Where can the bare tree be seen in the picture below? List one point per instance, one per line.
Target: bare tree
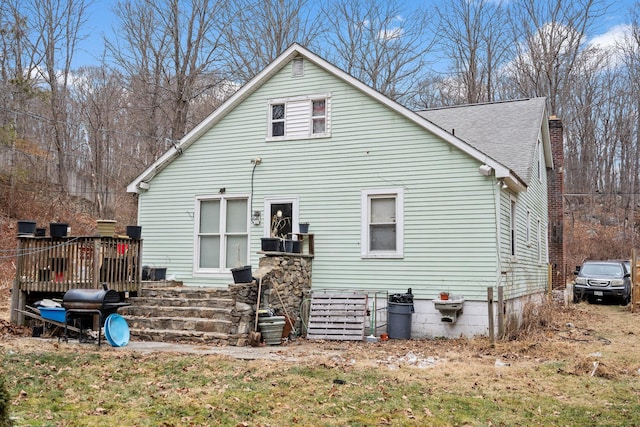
(100, 100)
(549, 36)
(56, 26)
(379, 43)
(474, 40)
(169, 50)
(255, 33)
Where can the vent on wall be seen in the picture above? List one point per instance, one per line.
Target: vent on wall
(298, 67)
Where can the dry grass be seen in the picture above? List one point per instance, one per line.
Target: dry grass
(579, 366)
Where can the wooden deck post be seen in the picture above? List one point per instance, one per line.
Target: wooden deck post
(17, 295)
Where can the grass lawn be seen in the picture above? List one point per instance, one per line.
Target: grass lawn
(580, 369)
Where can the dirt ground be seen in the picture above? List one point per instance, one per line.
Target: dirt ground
(600, 336)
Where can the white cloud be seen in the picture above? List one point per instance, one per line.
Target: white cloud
(614, 36)
(391, 33)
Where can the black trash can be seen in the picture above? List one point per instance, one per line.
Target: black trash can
(399, 311)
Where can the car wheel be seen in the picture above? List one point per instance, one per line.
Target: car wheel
(576, 298)
(626, 300)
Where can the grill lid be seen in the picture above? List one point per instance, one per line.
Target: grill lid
(90, 297)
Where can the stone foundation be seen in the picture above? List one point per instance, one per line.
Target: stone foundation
(286, 282)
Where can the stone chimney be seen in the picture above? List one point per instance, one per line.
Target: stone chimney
(555, 195)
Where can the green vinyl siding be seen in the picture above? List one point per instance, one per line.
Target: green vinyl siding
(449, 208)
(525, 274)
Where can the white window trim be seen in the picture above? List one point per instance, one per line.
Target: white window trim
(398, 193)
(528, 230)
(221, 272)
(546, 243)
(539, 248)
(269, 200)
(540, 160)
(270, 121)
(310, 134)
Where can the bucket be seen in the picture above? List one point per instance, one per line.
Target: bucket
(26, 228)
(242, 274)
(58, 229)
(304, 227)
(134, 232)
(271, 329)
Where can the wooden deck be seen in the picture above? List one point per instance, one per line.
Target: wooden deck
(55, 265)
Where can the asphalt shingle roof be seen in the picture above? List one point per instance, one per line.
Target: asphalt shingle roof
(505, 131)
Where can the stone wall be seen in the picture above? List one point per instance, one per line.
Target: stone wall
(286, 282)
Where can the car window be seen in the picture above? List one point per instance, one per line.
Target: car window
(607, 270)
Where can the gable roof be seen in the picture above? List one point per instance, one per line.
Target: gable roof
(142, 181)
(505, 131)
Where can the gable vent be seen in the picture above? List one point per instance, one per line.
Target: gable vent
(298, 67)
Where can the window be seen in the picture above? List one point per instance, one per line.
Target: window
(222, 234)
(299, 118)
(539, 241)
(382, 223)
(318, 116)
(528, 228)
(540, 161)
(277, 120)
(297, 67)
(513, 229)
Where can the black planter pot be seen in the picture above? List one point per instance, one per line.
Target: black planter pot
(134, 232)
(270, 244)
(288, 246)
(304, 227)
(296, 247)
(26, 228)
(242, 274)
(58, 229)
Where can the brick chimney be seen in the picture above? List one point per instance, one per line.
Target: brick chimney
(555, 195)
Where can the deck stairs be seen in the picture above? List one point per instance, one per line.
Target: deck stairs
(170, 312)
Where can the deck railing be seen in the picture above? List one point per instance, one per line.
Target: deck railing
(46, 264)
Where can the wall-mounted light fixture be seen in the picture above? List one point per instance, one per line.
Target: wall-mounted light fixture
(256, 218)
(503, 184)
(485, 170)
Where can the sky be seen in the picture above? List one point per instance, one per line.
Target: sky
(101, 21)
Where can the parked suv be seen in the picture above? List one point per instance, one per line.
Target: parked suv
(597, 280)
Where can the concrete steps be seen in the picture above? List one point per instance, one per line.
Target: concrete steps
(182, 314)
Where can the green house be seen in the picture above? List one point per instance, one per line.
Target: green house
(452, 199)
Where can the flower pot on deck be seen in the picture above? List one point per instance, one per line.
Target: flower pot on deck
(106, 227)
(58, 229)
(134, 232)
(26, 228)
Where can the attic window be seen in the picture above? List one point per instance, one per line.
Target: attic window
(299, 117)
(297, 69)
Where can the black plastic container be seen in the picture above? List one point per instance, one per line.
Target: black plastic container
(134, 232)
(26, 228)
(242, 274)
(58, 229)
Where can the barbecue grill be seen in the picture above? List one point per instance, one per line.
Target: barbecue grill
(85, 302)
